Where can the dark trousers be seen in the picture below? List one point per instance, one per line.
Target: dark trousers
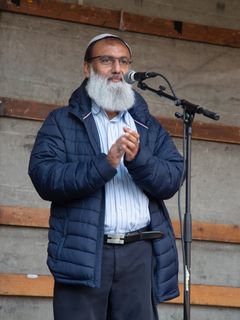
(125, 293)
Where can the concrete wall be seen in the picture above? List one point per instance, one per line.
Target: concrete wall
(41, 60)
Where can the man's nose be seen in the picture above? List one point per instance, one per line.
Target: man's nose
(116, 67)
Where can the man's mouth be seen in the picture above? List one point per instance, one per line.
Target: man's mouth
(116, 78)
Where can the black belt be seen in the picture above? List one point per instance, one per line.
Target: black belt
(138, 235)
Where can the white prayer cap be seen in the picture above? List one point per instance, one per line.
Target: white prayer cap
(105, 36)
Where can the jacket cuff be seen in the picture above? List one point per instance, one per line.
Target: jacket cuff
(105, 170)
(142, 157)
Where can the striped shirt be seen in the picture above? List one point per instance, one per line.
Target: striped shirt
(126, 206)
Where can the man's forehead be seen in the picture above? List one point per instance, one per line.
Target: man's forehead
(108, 36)
(110, 44)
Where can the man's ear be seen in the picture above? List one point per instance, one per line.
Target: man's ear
(86, 69)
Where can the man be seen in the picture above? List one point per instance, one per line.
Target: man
(107, 165)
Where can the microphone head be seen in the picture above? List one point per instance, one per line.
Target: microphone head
(129, 77)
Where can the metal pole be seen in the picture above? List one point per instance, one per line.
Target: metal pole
(187, 219)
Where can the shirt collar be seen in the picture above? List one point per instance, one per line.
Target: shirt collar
(95, 108)
(122, 114)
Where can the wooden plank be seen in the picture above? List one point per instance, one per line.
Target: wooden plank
(181, 30)
(71, 12)
(25, 109)
(26, 285)
(203, 131)
(33, 110)
(212, 232)
(207, 295)
(42, 286)
(125, 21)
(25, 217)
(38, 217)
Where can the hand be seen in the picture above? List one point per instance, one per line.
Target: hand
(115, 153)
(127, 144)
(130, 144)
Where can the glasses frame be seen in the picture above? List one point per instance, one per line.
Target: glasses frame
(112, 60)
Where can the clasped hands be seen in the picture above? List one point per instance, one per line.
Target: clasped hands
(127, 145)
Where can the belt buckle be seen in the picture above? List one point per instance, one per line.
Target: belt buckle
(115, 238)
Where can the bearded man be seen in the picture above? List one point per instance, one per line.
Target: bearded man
(106, 165)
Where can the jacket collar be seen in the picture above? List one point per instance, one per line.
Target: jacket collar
(80, 102)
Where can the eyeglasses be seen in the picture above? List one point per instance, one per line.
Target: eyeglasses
(110, 60)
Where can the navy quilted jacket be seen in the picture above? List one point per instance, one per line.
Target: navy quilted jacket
(68, 169)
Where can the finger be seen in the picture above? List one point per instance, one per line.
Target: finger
(127, 137)
(130, 147)
(131, 132)
(130, 154)
(128, 144)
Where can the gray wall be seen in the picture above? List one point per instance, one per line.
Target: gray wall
(46, 55)
(41, 60)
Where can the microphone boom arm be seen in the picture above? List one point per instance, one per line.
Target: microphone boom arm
(186, 105)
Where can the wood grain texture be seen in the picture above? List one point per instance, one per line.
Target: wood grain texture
(38, 217)
(42, 286)
(34, 110)
(125, 21)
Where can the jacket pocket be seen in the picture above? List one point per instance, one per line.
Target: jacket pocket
(62, 241)
(60, 246)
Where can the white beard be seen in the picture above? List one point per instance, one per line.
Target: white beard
(110, 96)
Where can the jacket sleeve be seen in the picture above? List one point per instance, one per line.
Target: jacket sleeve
(157, 172)
(58, 180)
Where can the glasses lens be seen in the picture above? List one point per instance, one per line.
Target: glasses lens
(106, 60)
(109, 60)
(124, 61)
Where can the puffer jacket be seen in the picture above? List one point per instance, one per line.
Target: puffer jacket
(68, 169)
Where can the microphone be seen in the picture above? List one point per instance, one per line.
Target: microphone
(132, 76)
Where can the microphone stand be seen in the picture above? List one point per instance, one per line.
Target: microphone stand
(189, 111)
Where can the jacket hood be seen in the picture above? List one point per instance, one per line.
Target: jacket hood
(80, 104)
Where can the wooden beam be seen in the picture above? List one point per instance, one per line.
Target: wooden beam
(26, 285)
(203, 131)
(213, 232)
(207, 295)
(25, 109)
(124, 21)
(34, 110)
(24, 217)
(71, 12)
(42, 286)
(181, 30)
(38, 217)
